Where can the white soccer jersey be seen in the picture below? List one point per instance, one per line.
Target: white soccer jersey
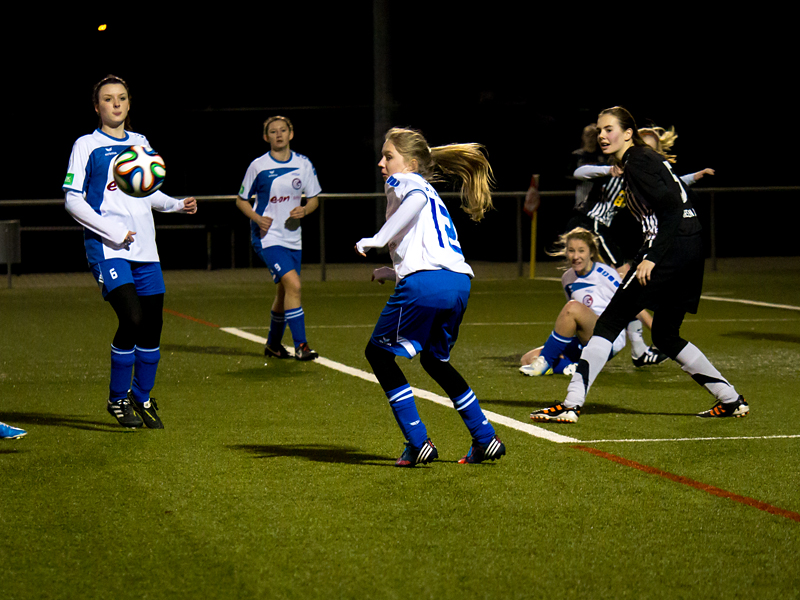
(418, 231)
(278, 187)
(594, 289)
(106, 213)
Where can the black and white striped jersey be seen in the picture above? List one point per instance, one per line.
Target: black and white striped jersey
(658, 200)
(605, 199)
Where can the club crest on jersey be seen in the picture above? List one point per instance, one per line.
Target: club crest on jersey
(297, 184)
(588, 300)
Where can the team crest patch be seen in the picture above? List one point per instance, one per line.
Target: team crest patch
(297, 184)
(588, 300)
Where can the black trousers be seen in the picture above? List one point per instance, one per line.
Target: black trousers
(674, 289)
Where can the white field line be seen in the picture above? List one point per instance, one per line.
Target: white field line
(527, 427)
(751, 302)
(699, 439)
(420, 393)
(521, 323)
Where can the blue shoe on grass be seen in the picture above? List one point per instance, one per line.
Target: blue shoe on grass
(7, 432)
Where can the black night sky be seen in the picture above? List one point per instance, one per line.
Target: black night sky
(202, 85)
(524, 85)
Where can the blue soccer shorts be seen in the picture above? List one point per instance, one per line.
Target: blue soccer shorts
(280, 260)
(114, 272)
(423, 313)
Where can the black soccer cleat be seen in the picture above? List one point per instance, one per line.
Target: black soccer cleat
(652, 356)
(415, 456)
(481, 452)
(147, 412)
(303, 352)
(737, 409)
(279, 352)
(123, 412)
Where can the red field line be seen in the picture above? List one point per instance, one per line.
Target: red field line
(177, 314)
(774, 510)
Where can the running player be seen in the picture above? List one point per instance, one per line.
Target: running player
(589, 285)
(668, 277)
(120, 240)
(433, 283)
(277, 180)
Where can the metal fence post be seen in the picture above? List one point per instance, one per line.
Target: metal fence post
(713, 232)
(10, 251)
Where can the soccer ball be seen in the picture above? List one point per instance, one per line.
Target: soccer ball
(139, 171)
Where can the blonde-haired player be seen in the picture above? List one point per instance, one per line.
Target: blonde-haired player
(424, 313)
(589, 285)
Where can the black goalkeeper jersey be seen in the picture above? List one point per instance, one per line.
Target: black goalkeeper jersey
(658, 200)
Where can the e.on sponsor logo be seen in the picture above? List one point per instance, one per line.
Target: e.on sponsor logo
(276, 199)
(112, 186)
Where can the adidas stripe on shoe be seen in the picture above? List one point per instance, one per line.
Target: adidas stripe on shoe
(413, 456)
(652, 356)
(481, 452)
(123, 412)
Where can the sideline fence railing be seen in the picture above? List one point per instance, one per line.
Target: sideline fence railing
(10, 208)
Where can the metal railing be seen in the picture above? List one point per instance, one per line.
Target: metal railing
(7, 210)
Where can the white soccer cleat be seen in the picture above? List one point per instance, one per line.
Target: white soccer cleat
(570, 369)
(538, 367)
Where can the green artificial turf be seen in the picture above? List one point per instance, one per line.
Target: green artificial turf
(276, 479)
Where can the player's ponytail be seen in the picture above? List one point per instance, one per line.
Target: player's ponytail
(664, 140)
(467, 162)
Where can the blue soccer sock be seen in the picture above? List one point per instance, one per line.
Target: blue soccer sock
(144, 373)
(554, 347)
(405, 413)
(296, 320)
(469, 408)
(121, 373)
(277, 327)
(562, 364)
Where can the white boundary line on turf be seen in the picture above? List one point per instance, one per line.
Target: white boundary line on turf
(719, 299)
(751, 302)
(492, 416)
(420, 393)
(524, 323)
(699, 439)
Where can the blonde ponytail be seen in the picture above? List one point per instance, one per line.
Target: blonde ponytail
(467, 162)
(665, 139)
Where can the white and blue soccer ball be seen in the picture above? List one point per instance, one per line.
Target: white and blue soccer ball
(139, 171)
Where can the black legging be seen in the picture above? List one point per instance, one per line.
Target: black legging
(391, 377)
(140, 318)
